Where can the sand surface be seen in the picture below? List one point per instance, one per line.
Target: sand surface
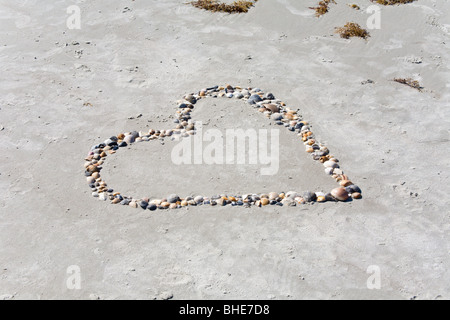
(62, 91)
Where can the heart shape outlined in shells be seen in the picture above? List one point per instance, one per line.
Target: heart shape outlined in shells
(264, 103)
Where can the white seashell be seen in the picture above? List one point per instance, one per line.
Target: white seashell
(331, 164)
(329, 171)
(320, 194)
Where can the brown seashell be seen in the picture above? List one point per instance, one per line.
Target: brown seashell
(115, 201)
(321, 199)
(289, 116)
(121, 136)
(92, 169)
(96, 175)
(272, 107)
(340, 194)
(184, 203)
(345, 183)
(265, 201)
(173, 206)
(356, 195)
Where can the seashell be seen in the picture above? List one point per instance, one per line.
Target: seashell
(143, 204)
(320, 194)
(92, 169)
(129, 139)
(356, 195)
(354, 189)
(133, 204)
(292, 195)
(265, 201)
(329, 171)
(321, 199)
(198, 199)
(273, 195)
(289, 116)
(184, 203)
(345, 183)
(165, 205)
(300, 200)
(173, 206)
(116, 200)
(340, 194)
(221, 202)
(272, 107)
(309, 196)
(173, 198)
(330, 164)
(277, 116)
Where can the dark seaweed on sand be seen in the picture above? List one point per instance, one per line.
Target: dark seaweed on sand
(239, 6)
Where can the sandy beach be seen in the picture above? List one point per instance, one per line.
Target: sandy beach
(63, 90)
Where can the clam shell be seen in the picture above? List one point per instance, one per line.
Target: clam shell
(331, 164)
(340, 194)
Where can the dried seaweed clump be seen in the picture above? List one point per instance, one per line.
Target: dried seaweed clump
(409, 82)
(216, 6)
(392, 2)
(352, 29)
(322, 8)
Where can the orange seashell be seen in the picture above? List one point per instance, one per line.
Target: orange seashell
(265, 201)
(165, 204)
(356, 195)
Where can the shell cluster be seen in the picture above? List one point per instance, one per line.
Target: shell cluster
(267, 105)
